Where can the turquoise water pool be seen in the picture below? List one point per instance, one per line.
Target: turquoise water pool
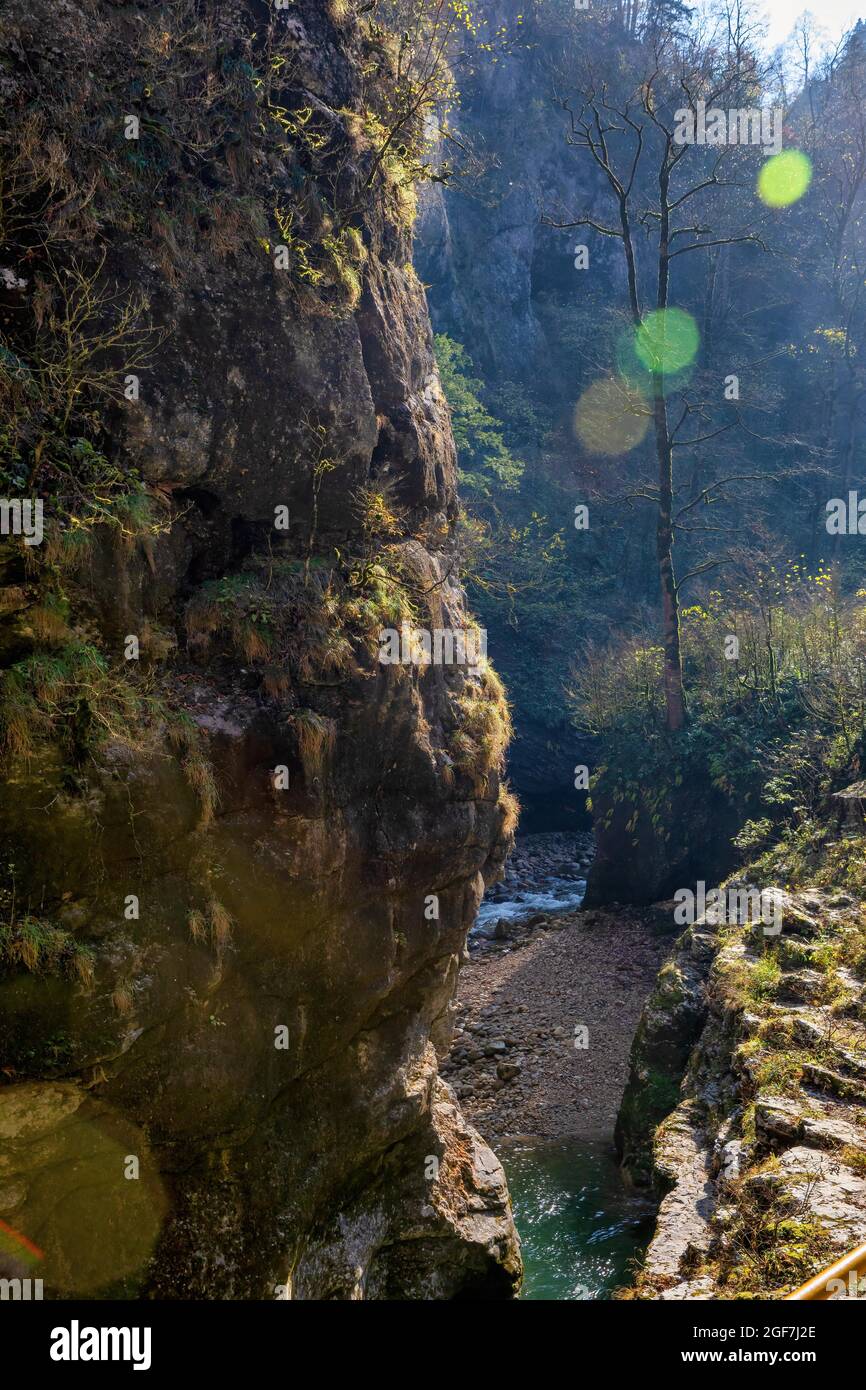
(580, 1227)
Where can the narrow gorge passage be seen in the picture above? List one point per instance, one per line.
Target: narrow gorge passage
(432, 673)
(543, 1094)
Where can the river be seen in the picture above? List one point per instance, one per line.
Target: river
(535, 969)
(580, 1227)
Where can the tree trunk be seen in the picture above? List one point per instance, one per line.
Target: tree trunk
(675, 704)
(675, 701)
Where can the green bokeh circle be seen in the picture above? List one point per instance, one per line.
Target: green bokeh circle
(666, 340)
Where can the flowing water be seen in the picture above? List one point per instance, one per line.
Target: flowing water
(580, 1227)
(545, 873)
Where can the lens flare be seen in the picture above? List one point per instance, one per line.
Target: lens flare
(784, 178)
(610, 417)
(667, 340)
(17, 1246)
(67, 1186)
(633, 371)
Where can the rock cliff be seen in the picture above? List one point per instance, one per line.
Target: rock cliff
(243, 854)
(746, 1106)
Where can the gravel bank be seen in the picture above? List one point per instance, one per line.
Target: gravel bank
(513, 1062)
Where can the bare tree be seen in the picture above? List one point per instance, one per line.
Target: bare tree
(633, 141)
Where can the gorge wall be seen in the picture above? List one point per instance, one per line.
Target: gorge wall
(241, 866)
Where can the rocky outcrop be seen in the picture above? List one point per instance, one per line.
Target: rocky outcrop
(669, 1027)
(661, 824)
(759, 1166)
(237, 915)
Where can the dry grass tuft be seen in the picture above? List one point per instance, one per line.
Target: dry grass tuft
(199, 775)
(197, 926)
(220, 924)
(485, 728)
(316, 739)
(122, 997)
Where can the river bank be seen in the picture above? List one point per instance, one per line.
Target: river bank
(529, 986)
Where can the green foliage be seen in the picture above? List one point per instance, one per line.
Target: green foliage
(516, 562)
(765, 976)
(296, 623)
(773, 732)
(754, 835)
(420, 37)
(486, 464)
(68, 696)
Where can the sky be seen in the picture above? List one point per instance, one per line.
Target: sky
(833, 15)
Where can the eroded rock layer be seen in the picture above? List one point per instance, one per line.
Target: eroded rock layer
(237, 915)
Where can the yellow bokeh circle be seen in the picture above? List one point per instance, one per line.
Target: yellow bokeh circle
(611, 417)
(784, 178)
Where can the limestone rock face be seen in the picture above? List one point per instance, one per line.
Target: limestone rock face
(670, 1024)
(758, 1161)
(245, 1081)
(529, 181)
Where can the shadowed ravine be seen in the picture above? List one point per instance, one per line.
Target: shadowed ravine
(432, 655)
